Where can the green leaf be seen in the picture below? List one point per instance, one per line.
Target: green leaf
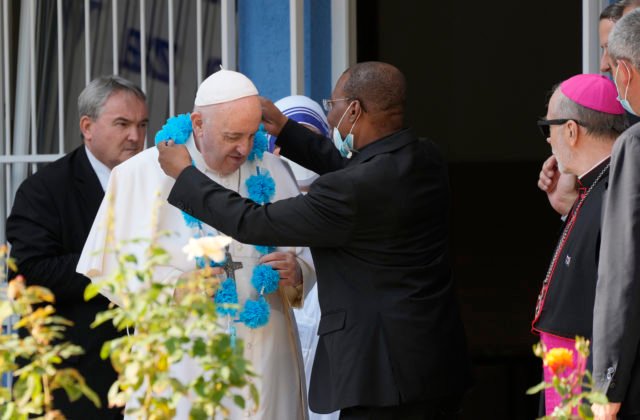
(158, 251)
(105, 350)
(92, 396)
(239, 401)
(199, 387)
(130, 258)
(537, 388)
(198, 413)
(584, 410)
(199, 347)
(255, 396)
(91, 291)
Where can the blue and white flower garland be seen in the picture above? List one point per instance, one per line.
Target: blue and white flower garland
(264, 278)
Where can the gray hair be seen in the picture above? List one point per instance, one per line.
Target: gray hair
(95, 94)
(624, 39)
(628, 3)
(599, 124)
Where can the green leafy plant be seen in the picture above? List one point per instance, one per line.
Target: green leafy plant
(167, 330)
(41, 349)
(572, 381)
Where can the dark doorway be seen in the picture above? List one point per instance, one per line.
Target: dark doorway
(479, 74)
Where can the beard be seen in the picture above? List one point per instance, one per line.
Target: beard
(561, 166)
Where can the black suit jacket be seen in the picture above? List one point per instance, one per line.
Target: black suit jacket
(377, 225)
(616, 319)
(49, 223)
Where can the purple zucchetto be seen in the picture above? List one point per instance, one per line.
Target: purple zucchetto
(593, 91)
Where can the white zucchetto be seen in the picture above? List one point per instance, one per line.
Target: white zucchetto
(224, 86)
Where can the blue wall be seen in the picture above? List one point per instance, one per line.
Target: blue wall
(263, 46)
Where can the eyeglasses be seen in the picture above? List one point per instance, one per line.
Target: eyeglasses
(545, 125)
(327, 104)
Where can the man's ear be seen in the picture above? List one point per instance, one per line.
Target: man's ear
(573, 132)
(85, 127)
(196, 123)
(625, 72)
(355, 110)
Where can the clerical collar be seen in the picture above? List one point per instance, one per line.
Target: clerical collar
(101, 170)
(588, 177)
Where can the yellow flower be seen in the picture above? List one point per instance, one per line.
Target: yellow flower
(16, 287)
(211, 247)
(558, 360)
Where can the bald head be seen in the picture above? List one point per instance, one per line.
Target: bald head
(380, 87)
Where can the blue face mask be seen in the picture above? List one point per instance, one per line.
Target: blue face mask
(624, 102)
(344, 146)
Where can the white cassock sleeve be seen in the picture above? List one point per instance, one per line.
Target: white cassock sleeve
(136, 189)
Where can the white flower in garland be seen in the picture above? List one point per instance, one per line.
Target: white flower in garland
(212, 247)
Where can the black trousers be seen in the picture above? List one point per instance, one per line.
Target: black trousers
(441, 409)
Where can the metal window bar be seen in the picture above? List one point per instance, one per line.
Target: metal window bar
(172, 106)
(32, 78)
(4, 110)
(87, 41)
(199, 41)
(60, 78)
(143, 47)
(114, 33)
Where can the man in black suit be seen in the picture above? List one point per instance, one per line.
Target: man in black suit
(53, 213)
(391, 340)
(616, 317)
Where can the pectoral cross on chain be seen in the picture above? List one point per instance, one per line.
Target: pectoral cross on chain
(230, 266)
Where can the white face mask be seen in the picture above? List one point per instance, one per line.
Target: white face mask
(624, 101)
(344, 146)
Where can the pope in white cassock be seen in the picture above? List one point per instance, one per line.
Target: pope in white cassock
(226, 116)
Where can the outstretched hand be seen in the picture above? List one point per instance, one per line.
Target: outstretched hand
(173, 158)
(272, 118)
(561, 188)
(287, 266)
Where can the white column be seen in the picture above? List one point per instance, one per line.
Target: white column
(228, 33)
(343, 37)
(590, 42)
(296, 42)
